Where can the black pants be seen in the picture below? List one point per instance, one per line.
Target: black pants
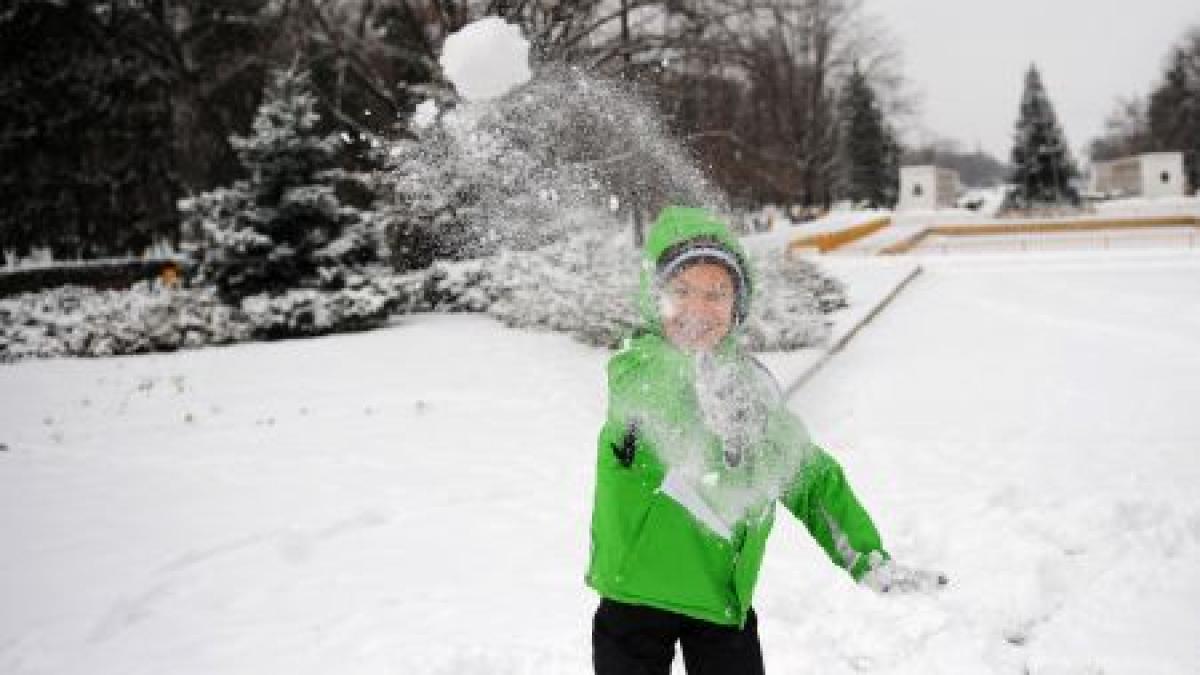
(636, 640)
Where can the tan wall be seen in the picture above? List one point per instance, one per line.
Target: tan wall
(830, 240)
(907, 245)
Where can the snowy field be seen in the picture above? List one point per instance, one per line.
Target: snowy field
(415, 500)
(1028, 424)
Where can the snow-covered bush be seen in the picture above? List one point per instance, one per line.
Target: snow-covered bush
(790, 304)
(362, 303)
(585, 286)
(81, 321)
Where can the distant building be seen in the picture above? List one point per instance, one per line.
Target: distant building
(1154, 174)
(927, 187)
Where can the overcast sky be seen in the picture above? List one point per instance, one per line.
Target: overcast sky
(966, 59)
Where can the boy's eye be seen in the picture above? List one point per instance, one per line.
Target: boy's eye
(711, 296)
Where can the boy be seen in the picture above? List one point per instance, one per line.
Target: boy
(697, 448)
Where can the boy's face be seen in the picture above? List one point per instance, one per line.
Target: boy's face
(696, 306)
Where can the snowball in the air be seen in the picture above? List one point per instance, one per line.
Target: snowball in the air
(425, 114)
(486, 58)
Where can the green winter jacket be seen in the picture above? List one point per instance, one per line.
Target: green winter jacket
(669, 529)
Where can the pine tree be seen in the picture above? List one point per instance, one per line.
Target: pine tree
(893, 154)
(86, 160)
(282, 243)
(869, 151)
(1043, 169)
(219, 57)
(1126, 131)
(1174, 108)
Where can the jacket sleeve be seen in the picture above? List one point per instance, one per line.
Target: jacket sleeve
(623, 436)
(821, 498)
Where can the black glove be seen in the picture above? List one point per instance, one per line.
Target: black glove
(625, 449)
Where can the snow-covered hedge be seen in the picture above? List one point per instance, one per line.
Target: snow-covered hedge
(790, 307)
(365, 302)
(80, 321)
(586, 287)
(583, 287)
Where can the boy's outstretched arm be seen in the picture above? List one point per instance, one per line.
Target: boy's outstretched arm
(821, 498)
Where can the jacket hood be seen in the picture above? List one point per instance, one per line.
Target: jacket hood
(674, 226)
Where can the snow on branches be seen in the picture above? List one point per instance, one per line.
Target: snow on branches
(282, 245)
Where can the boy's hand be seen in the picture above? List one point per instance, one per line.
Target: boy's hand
(625, 449)
(888, 577)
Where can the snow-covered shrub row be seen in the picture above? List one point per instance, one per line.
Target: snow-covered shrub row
(586, 287)
(790, 304)
(80, 321)
(583, 286)
(364, 302)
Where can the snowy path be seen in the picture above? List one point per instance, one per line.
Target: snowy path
(415, 500)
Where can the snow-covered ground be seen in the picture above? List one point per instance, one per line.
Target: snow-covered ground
(408, 500)
(1026, 423)
(1143, 206)
(869, 281)
(415, 499)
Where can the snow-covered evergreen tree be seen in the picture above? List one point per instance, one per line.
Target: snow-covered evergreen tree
(869, 150)
(281, 244)
(1043, 169)
(1174, 108)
